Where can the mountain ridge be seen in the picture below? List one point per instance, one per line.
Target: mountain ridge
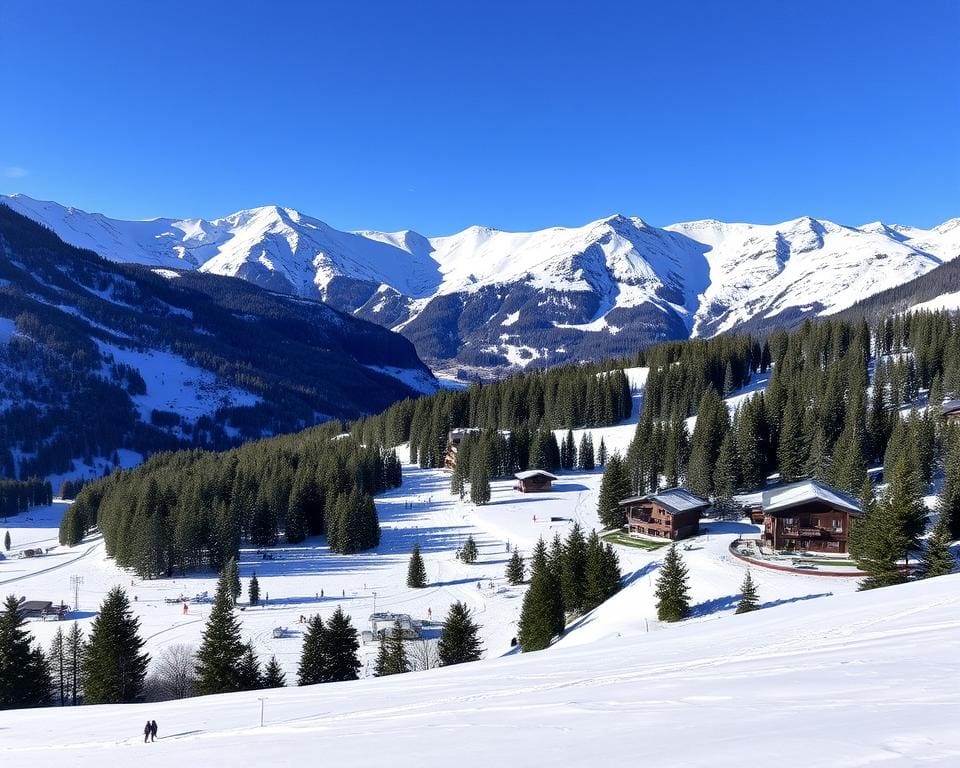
(490, 298)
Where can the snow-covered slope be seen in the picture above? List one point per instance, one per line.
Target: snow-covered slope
(856, 680)
(490, 298)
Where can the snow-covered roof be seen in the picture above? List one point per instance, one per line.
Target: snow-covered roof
(672, 499)
(950, 406)
(526, 475)
(804, 491)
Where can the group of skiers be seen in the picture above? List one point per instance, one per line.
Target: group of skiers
(150, 731)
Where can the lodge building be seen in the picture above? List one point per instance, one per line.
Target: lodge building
(808, 516)
(534, 480)
(671, 514)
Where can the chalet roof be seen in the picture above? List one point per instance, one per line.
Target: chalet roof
(534, 473)
(805, 491)
(31, 606)
(673, 500)
(951, 406)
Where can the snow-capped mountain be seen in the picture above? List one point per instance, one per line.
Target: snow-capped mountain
(492, 299)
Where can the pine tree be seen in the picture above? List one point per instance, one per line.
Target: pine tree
(542, 604)
(479, 481)
(113, 666)
(602, 573)
(948, 503)
(233, 579)
(468, 553)
(253, 591)
(250, 677)
(459, 641)
(515, 568)
(673, 601)
(748, 595)
(416, 570)
(312, 667)
(6, 541)
(24, 673)
(602, 453)
(57, 664)
(339, 648)
(937, 558)
(392, 658)
(273, 676)
(75, 649)
(614, 487)
(573, 569)
(221, 650)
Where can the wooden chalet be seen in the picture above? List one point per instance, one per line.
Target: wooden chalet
(808, 516)
(671, 514)
(454, 438)
(534, 480)
(951, 411)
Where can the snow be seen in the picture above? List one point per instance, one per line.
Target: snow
(417, 380)
(949, 302)
(511, 318)
(174, 384)
(819, 653)
(167, 273)
(7, 330)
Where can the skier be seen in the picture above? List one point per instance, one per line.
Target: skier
(153, 730)
(186, 608)
(147, 730)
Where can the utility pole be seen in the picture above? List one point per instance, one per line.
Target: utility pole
(75, 582)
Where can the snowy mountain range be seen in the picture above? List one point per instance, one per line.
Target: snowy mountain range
(493, 299)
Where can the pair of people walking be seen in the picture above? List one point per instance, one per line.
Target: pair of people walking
(150, 731)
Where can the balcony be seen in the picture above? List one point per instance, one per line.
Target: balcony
(804, 532)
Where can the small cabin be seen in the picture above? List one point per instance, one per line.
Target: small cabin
(951, 411)
(808, 516)
(671, 514)
(534, 481)
(384, 625)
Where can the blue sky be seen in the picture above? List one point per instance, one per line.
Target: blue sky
(517, 115)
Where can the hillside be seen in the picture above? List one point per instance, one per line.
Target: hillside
(492, 299)
(867, 674)
(98, 356)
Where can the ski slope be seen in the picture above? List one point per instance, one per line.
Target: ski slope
(866, 679)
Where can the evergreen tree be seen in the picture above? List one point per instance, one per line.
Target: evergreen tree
(479, 481)
(221, 649)
(312, 667)
(250, 677)
(75, 649)
(673, 601)
(573, 569)
(273, 676)
(542, 604)
(469, 553)
(937, 558)
(602, 453)
(253, 591)
(392, 657)
(340, 648)
(57, 665)
(459, 641)
(416, 570)
(113, 666)
(24, 673)
(233, 579)
(6, 541)
(602, 573)
(748, 595)
(948, 503)
(614, 487)
(515, 568)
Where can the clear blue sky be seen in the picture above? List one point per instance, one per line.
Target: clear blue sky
(517, 115)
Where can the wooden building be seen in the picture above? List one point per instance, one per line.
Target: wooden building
(671, 514)
(808, 516)
(534, 480)
(951, 411)
(454, 438)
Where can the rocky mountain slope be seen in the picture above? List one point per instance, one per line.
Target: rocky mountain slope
(97, 357)
(483, 297)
